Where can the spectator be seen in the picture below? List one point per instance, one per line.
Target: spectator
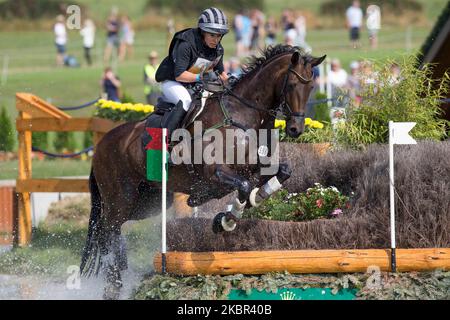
(290, 36)
(112, 27)
(111, 85)
(395, 74)
(354, 82)
(126, 38)
(373, 24)
(257, 21)
(300, 27)
(242, 26)
(290, 32)
(88, 34)
(354, 16)
(152, 89)
(287, 20)
(271, 29)
(60, 40)
(337, 76)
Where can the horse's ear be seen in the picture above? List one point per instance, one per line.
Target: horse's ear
(295, 58)
(317, 61)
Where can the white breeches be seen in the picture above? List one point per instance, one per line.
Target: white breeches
(174, 91)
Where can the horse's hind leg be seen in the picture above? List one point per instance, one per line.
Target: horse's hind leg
(113, 247)
(112, 266)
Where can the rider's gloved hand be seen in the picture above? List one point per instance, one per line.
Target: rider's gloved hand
(210, 77)
(232, 79)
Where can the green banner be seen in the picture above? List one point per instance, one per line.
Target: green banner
(294, 294)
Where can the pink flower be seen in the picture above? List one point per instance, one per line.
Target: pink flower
(336, 212)
(319, 203)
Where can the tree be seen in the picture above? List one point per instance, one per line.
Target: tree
(6, 132)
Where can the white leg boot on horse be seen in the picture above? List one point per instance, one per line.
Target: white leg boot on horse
(258, 195)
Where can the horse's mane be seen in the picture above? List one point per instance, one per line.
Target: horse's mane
(254, 63)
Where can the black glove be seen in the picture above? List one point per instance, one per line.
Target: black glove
(210, 77)
(232, 80)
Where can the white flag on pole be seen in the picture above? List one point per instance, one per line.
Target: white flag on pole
(400, 132)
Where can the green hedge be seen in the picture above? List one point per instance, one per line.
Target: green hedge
(338, 7)
(197, 6)
(33, 9)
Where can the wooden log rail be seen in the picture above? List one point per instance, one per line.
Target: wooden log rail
(301, 261)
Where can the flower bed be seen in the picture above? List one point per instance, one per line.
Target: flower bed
(117, 111)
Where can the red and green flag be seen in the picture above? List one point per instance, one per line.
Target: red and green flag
(154, 155)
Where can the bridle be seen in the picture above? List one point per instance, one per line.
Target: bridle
(283, 107)
(282, 110)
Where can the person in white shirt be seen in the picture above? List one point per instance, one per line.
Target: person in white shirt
(373, 24)
(88, 34)
(354, 17)
(60, 39)
(338, 77)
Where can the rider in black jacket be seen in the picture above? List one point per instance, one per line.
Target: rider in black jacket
(194, 55)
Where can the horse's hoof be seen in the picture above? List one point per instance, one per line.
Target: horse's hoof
(217, 223)
(224, 222)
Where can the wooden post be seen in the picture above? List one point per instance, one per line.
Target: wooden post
(96, 138)
(24, 205)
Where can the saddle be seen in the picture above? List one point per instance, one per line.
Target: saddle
(159, 116)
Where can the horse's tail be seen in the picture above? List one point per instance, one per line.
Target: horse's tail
(90, 263)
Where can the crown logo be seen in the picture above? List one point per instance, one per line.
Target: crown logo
(287, 295)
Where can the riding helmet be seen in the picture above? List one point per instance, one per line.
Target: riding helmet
(213, 20)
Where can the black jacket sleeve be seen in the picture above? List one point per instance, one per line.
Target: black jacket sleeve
(181, 58)
(219, 67)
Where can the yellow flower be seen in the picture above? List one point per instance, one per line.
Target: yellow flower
(317, 125)
(148, 108)
(308, 121)
(280, 124)
(123, 107)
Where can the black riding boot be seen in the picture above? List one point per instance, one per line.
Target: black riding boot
(174, 118)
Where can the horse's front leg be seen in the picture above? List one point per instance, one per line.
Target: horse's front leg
(227, 221)
(258, 195)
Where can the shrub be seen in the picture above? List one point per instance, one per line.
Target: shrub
(88, 139)
(64, 141)
(321, 110)
(40, 140)
(196, 6)
(413, 98)
(6, 132)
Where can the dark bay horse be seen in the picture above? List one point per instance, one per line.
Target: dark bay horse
(278, 81)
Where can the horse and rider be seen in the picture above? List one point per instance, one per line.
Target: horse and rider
(276, 84)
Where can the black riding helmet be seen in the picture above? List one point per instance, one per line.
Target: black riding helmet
(213, 20)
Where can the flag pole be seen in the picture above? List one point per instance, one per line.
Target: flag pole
(391, 194)
(164, 194)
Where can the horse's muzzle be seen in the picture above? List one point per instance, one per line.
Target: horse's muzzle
(295, 126)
